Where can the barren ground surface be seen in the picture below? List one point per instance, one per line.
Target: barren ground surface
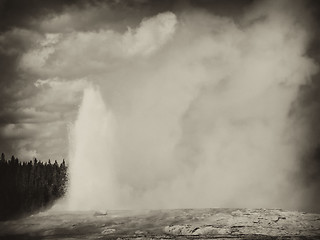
(166, 224)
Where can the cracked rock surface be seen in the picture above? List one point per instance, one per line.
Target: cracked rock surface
(166, 224)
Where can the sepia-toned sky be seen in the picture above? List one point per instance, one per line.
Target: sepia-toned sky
(51, 51)
(37, 105)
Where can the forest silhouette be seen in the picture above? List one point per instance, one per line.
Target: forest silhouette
(28, 187)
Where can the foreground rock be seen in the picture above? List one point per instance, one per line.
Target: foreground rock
(166, 224)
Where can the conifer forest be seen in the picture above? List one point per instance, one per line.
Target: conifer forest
(28, 187)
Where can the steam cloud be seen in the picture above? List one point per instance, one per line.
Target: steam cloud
(186, 109)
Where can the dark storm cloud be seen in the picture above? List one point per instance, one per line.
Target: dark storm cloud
(26, 14)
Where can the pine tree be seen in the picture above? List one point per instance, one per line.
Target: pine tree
(3, 158)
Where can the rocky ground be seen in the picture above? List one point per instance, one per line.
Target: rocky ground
(166, 224)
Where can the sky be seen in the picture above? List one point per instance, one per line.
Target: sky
(35, 114)
(195, 89)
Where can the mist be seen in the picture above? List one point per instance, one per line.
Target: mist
(187, 109)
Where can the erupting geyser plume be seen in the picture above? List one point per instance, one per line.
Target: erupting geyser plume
(92, 141)
(189, 109)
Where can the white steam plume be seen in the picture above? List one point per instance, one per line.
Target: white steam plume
(201, 106)
(91, 167)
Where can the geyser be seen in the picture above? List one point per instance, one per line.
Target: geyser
(91, 165)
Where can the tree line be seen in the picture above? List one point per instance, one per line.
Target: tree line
(26, 187)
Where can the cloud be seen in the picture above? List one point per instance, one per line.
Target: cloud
(39, 117)
(151, 35)
(65, 57)
(15, 14)
(38, 57)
